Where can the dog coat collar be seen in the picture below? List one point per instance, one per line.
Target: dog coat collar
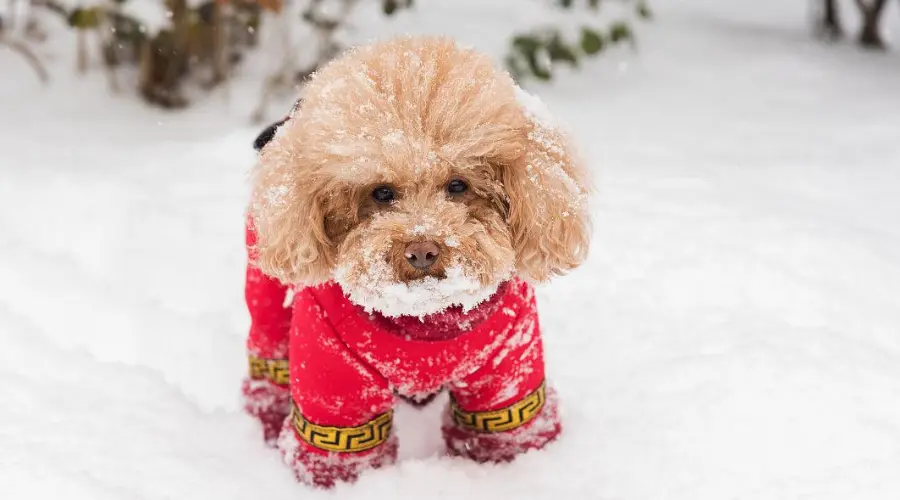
(445, 325)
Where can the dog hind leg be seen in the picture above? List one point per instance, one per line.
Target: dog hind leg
(265, 390)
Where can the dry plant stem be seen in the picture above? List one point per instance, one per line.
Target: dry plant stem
(829, 22)
(111, 75)
(29, 56)
(10, 20)
(146, 66)
(220, 60)
(82, 61)
(325, 28)
(869, 35)
(279, 79)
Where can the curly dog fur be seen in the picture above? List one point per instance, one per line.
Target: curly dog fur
(417, 181)
(413, 114)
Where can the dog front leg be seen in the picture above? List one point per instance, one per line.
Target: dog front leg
(505, 408)
(500, 434)
(341, 418)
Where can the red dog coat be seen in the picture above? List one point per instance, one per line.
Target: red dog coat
(345, 365)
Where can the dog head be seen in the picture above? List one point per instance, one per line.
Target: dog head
(418, 176)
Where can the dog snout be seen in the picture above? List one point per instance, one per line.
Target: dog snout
(422, 254)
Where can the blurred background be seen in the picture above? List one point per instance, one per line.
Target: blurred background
(735, 332)
(212, 66)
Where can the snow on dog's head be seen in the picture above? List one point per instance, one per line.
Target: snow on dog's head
(418, 176)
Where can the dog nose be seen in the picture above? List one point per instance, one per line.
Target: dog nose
(422, 254)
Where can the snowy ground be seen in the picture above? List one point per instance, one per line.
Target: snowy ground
(735, 334)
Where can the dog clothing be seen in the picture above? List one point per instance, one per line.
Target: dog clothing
(323, 374)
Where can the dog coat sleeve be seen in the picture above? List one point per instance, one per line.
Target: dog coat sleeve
(270, 317)
(330, 384)
(505, 407)
(341, 418)
(265, 389)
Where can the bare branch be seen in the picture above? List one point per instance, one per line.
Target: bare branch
(870, 9)
(325, 27)
(869, 35)
(325, 31)
(29, 56)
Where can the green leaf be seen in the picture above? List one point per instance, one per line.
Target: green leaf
(536, 68)
(559, 51)
(514, 66)
(84, 19)
(591, 41)
(75, 17)
(389, 7)
(526, 44)
(643, 11)
(620, 32)
(594, 4)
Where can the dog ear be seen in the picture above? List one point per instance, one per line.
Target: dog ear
(269, 132)
(267, 135)
(288, 212)
(547, 196)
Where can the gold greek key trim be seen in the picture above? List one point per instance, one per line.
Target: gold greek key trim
(274, 370)
(343, 439)
(504, 419)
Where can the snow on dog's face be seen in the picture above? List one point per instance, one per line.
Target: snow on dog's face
(417, 176)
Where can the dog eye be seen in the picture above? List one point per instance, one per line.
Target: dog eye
(457, 186)
(383, 194)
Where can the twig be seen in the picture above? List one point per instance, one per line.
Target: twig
(325, 28)
(29, 56)
(871, 8)
(279, 78)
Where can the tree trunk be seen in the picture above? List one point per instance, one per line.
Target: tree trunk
(830, 23)
(869, 35)
(180, 56)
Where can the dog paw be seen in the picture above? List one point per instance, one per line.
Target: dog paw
(507, 445)
(324, 469)
(269, 403)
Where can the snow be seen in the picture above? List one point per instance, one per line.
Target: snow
(535, 109)
(378, 291)
(734, 333)
(153, 15)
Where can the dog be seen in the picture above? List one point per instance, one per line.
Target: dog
(399, 219)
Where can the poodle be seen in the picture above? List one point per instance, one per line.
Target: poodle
(399, 219)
